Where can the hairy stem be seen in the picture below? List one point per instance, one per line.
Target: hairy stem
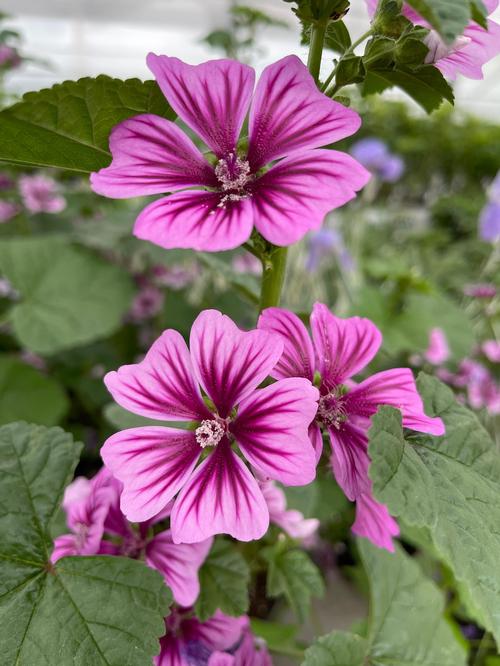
(274, 259)
(273, 276)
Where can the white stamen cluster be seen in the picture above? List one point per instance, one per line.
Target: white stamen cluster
(209, 433)
(331, 410)
(232, 172)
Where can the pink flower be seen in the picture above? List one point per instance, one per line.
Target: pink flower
(8, 210)
(339, 350)
(467, 54)
(147, 303)
(491, 349)
(6, 183)
(270, 427)
(178, 563)
(291, 521)
(9, 57)
(40, 194)
(176, 276)
(480, 290)
(438, 351)
(289, 120)
(251, 652)
(188, 641)
(247, 263)
(86, 504)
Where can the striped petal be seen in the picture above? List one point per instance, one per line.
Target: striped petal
(294, 196)
(343, 346)
(151, 155)
(212, 98)
(297, 359)
(197, 220)
(153, 463)
(230, 363)
(289, 114)
(162, 385)
(221, 497)
(272, 430)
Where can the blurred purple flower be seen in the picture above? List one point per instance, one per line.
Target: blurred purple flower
(147, 303)
(176, 276)
(482, 290)
(376, 157)
(247, 263)
(491, 349)
(438, 351)
(326, 242)
(40, 194)
(6, 182)
(8, 210)
(9, 57)
(489, 219)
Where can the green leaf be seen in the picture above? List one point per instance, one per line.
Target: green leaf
(479, 13)
(25, 393)
(337, 37)
(224, 579)
(339, 648)
(83, 610)
(278, 637)
(67, 126)
(451, 485)
(406, 624)
(293, 574)
(426, 85)
(350, 70)
(448, 17)
(69, 296)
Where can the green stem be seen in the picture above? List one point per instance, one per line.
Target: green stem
(274, 259)
(318, 31)
(273, 276)
(335, 88)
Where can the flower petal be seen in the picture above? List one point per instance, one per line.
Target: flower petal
(221, 497)
(272, 430)
(179, 564)
(64, 545)
(230, 363)
(220, 632)
(396, 388)
(153, 463)
(197, 220)
(151, 155)
(297, 359)
(162, 385)
(374, 522)
(343, 346)
(350, 460)
(170, 651)
(316, 438)
(212, 98)
(291, 521)
(289, 113)
(294, 196)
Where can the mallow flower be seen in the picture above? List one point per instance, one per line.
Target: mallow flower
(99, 527)
(489, 219)
(339, 350)
(467, 54)
(188, 641)
(374, 154)
(290, 521)
(269, 426)
(277, 180)
(40, 194)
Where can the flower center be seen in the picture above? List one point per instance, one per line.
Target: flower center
(133, 546)
(209, 432)
(332, 410)
(233, 174)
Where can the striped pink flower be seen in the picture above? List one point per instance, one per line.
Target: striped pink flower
(339, 350)
(279, 180)
(214, 385)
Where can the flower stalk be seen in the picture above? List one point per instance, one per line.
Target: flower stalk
(274, 260)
